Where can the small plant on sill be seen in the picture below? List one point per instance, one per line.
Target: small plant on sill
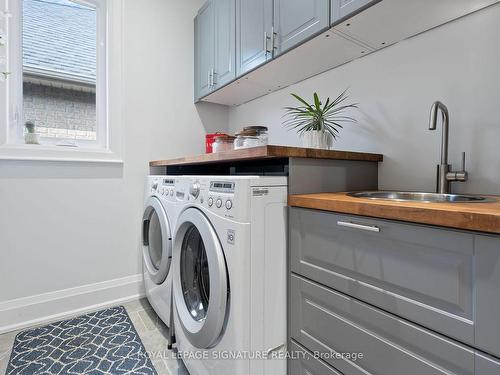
(319, 124)
(30, 137)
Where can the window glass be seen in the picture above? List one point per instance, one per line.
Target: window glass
(195, 278)
(59, 69)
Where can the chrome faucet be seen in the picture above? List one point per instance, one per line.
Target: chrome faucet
(444, 173)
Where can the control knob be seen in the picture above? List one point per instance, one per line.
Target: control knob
(194, 190)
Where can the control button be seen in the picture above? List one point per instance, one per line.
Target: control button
(154, 186)
(202, 200)
(172, 192)
(229, 204)
(163, 191)
(210, 201)
(218, 203)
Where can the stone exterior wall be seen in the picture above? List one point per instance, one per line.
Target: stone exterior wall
(60, 112)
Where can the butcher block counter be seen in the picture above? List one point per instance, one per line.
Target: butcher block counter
(308, 170)
(481, 217)
(268, 152)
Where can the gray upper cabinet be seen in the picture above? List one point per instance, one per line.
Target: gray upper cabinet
(254, 24)
(214, 46)
(341, 9)
(225, 45)
(298, 20)
(204, 27)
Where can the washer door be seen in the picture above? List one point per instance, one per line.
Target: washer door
(200, 279)
(156, 241)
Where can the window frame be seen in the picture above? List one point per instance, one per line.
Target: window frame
(107, 146)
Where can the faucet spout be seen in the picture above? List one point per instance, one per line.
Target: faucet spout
(440, 107)
(444, 173)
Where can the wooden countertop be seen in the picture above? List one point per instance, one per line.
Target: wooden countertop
(266, 152)
(482, 217)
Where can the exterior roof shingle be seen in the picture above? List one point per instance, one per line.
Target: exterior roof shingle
(59, 40)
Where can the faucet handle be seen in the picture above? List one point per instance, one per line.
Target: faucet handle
(461, 175)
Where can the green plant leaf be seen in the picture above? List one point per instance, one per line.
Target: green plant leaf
(317, 102)
(302, 101)
(328, 117)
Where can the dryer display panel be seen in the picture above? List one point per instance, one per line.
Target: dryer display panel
(222, 187)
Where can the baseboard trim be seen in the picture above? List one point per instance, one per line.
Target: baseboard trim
(48, 307)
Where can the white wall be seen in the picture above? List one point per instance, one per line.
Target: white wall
(457, 63)
(71, 228)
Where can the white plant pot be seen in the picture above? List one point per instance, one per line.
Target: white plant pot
(31, 139)
(317, 139)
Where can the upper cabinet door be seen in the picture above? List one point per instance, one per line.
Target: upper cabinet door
(225, 45)
(254, 24)
(344, 8)
(204, 26)
(298, 20)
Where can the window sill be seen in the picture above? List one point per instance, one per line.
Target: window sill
(23, 152)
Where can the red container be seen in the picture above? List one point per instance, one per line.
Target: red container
(209, 140)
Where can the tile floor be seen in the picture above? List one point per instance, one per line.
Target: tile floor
(152, 331)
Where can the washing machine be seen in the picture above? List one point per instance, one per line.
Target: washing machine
(229, 275)
(158, 223)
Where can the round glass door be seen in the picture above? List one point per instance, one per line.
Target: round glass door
(195, 276)
(200, 279)
(156, 240)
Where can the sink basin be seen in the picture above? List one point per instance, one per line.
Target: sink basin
(408, 196)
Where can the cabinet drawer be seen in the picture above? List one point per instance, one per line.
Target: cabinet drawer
(327, 321)
(421, 273)
(486, 365)
(304, 363)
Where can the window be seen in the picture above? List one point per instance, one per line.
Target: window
(56, 60)
(59, 69)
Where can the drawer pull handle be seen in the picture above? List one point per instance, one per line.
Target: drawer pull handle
(278, 348)
(348, 224)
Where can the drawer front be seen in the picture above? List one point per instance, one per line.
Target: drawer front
(486, 365)
(487, 271)
(421, 273)
(327, 321)
(304, 363)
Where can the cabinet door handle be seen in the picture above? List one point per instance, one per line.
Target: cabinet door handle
(214, 77)
(348, 224)
(267, 38)
(274, 36)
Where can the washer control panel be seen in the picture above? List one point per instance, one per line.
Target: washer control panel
(164, 187)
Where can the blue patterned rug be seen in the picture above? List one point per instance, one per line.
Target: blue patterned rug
(104, 342)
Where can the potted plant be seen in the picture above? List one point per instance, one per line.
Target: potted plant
(30, 137)
(319, 124)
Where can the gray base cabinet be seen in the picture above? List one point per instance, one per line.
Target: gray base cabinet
(486, 365)
(415, 299)
(298, 20)
(306, 364)
(487, 271)
(326, 321)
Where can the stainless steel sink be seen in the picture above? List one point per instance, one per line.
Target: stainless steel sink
(408, 196)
